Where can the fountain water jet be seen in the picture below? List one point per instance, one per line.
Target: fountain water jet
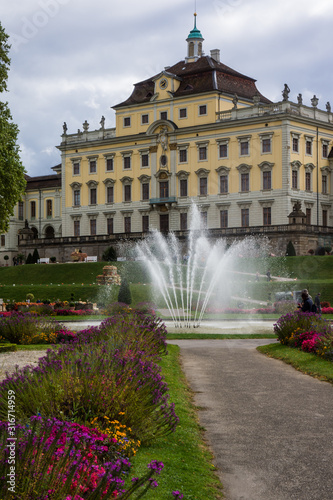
(188, 282)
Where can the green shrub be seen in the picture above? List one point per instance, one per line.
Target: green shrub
(110, 254)
(124, 294)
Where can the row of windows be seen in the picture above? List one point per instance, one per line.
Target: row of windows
(33, 213)
(182, 114)
(308, 145)
(163, 187)
(183, 221)
(223, 153)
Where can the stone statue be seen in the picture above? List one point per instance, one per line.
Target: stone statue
(300, 99)
(235, 101)
(314, 101)
(64, 127)
(163, 138)
(328, 107)
(85, 126)
(297, 207)
(102, 122)
(285, 92)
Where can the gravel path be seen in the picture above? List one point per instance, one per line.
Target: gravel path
(8, 360)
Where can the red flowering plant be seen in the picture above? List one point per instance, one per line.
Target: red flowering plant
(57, 460)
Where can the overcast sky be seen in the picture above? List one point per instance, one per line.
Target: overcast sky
(71, 60)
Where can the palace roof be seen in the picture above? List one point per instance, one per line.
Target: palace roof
(204, 75)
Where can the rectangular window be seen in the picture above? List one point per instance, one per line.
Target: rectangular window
(183, 113)
(20, 210)
(325, 150)
(109, 225)
(308, 147)
(324, 184)
(109, 194)
(127, 121)
(127, 192)
(145, 191)
(307, 181)
(183, 187)
(267, 212)
(164, 189)
(164, 115)
(127, 162)
(294, 179)
(203, 186)
(48, 208)
(244, 148)
(224, 218)
(76, 228)
(33, 209)
(202, 109)
(203, 220)
(308, 216)
(93, 196)
(3, 240)
(144, 119)
(127, 224)
(182, 155)
(295, 144)
(92, 227)
(267, 180)
(183, 221)
(77, 200)
(202, 153)
(245, 182)
(145, 223)
(325, 218)
(145, 160)
(266, 145)
(76, 168)
(224, 184)
(93, 166)
(223, 151)
(245, 217)
(109, 164)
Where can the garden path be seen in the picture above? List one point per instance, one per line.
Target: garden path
(269, 426)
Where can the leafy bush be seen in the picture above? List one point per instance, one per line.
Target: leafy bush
(124, 294)
(299, 322)
(110, 254)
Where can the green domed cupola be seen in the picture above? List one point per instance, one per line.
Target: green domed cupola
(194, 43)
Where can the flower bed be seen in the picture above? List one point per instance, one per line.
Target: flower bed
(306, 331)
(97, 398)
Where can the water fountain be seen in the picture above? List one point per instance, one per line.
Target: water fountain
(189, 278)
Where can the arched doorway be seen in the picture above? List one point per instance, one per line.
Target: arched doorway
(49, 232)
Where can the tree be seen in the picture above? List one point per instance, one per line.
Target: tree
(110, 254)
(124, 294)
(291, 252)
(35, 256)
(12, 180)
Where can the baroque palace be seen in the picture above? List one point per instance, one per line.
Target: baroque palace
(197, 131)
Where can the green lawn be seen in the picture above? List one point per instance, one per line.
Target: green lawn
(303, 361)
(187, 461)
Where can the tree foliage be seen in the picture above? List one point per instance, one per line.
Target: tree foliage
(12, 180)
(124, 294)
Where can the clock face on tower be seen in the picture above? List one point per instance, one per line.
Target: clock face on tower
(163, 83)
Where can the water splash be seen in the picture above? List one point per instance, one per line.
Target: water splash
(188, 276)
